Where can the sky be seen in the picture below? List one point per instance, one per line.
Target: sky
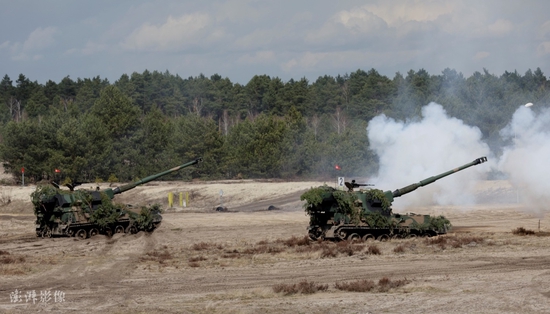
(237, 39)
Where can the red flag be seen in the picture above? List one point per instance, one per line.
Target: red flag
(57, 170)
(337, 167)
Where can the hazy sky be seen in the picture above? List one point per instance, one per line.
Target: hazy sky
(288, 39)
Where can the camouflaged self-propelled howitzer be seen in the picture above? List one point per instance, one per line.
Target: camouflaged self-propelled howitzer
(367, 213)
(83, 213)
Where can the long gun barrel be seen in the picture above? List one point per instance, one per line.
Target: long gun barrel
(112, 192)
(412, 187)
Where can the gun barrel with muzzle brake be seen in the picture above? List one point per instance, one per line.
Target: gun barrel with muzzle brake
(112, 192)
(408, 189)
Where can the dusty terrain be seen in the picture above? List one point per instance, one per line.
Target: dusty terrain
(200, 260)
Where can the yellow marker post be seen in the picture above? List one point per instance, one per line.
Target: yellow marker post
(181, 199)
(170, 199)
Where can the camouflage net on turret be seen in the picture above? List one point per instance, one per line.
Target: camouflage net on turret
(325, 198)
(315, 196)
(378, 195)
(41, 194)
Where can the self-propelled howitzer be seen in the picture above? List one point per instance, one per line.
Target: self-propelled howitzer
(367, 213)
(84, 213)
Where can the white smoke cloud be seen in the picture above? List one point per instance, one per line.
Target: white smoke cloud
(527, 160)
(413, 151)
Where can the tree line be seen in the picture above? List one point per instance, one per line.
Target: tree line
(144, 123)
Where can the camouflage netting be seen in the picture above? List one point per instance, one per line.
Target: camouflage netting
(377, 220)
(107, 213)
(41, 194)
(432, 223)
(145, 218)
(345, 203)
(315, 196)
(378, 195)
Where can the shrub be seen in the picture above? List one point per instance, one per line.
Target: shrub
(295, 241)
(522, 231)
(399, 249)
(11, 259)
(373, 250)
(453, 241)
(157, 256)
(197, 259)
(201, 246)
(304, 287)
(329, 252)
(362, 285)
(385, 284)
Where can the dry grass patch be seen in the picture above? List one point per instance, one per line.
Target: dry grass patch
(399, 249)
(197, 259)
(7, 258)
(295, 241)
(13, 264)
(264, 248)
(454, 241)
(201, 246)
(373, 250)
(160, 256)
(362, 285)
(304, 287)
(522, 231)
(365, 285)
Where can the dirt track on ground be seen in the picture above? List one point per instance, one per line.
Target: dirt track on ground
(201, 261)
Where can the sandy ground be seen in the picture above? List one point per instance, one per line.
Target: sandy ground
(203, 261)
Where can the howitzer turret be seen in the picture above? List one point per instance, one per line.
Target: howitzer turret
(367, 213)
(84, 213)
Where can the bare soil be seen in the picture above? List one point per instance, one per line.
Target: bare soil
(204, 261)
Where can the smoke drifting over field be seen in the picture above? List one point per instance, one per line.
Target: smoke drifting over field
(414, 150)
(527, 160)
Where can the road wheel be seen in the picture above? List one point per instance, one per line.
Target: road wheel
(383, 238)
(70, 232)
(368, 237)
(412, 236)
(119, 229)
(93, 232)
(131, 230)
(81, 234)
(47, 233)
(354, 237)
(108, 232)
(341, 235)
(396, 236)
